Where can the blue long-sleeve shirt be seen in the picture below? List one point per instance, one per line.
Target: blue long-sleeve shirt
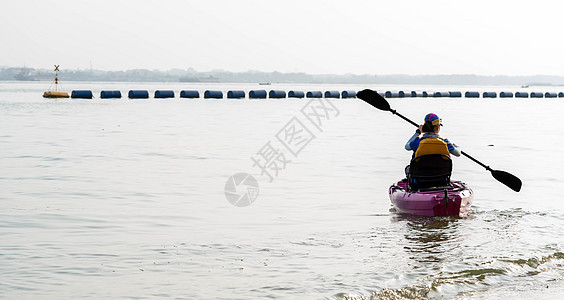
(413, 143)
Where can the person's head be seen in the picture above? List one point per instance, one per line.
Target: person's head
(432, 123)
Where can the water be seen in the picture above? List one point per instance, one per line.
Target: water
(125, 199)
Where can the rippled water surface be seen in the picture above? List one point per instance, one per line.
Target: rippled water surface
(125, 199)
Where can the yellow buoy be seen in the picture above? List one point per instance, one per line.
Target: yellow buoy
(56, 93)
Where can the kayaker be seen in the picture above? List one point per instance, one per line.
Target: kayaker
(429, 143)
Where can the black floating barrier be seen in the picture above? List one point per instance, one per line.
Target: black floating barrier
(348, 94)
(332, 94)
(403, 94)
(110, 94)
(213, 94)
(296, 94)
(257, 94)
(189, 94)
(472, 94)
(314, 94)
(160, 94)
(506, 95)
(521, 95)
(441, 94)
(138, 94)
(236, 94)
(277, 94)
(82, 94)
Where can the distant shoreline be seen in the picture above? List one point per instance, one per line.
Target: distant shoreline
(220, 76)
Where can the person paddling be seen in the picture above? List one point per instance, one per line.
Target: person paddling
(430, 144)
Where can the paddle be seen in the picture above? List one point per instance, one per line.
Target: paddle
(374, 99)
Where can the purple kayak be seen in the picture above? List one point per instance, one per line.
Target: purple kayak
(447, 201)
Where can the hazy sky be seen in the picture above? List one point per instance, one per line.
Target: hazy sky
(360, 37)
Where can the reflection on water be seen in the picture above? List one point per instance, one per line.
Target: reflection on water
(429, 239)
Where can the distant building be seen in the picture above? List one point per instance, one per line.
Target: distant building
(199, 79)
(30, 74)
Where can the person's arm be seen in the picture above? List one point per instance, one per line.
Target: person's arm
(414, 137)
(453, 148)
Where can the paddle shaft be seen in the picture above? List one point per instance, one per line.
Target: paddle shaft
(401, 116)
(393, 111)
(476, 161)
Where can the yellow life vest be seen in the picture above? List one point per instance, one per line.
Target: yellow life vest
(432, 145)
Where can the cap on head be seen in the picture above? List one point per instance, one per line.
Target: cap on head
(434, 119)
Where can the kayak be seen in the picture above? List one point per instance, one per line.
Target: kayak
(453, 200)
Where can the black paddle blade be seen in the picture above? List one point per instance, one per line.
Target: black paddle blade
(509, 180)
(374, 99)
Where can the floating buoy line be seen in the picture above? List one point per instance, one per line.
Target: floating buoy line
(56, 91)
(281, 94)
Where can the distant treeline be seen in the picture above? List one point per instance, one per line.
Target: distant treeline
(190, 75)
